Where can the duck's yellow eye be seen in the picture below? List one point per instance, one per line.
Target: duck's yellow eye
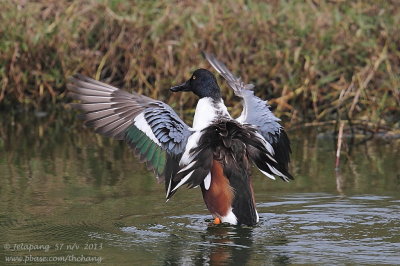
(194, 77)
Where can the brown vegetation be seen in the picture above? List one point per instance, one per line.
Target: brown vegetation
(316, 61)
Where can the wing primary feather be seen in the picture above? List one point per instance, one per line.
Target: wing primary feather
(257, 112)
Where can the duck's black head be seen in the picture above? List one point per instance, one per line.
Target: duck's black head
(202, 83)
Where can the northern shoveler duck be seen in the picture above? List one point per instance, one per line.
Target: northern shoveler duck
(215, 153)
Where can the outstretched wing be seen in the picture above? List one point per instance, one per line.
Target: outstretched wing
(155, 132)
(257, 112)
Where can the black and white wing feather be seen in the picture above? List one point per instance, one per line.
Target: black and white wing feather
(257, 112)
(150, 127)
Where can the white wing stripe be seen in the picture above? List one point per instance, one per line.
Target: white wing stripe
(141, 123)
(207, 181)
(266, 144)
(192, 143)
(169, 187)
(268, 175)
(183, 180)
(275, 171)
(187, 167)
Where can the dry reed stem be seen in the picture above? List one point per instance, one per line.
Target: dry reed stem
(339, 144)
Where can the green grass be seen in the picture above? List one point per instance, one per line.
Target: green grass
(315, 61)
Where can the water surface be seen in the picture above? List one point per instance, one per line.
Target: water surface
(68, 194)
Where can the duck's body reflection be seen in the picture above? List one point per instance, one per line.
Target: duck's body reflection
(222, 245)
(229, 244)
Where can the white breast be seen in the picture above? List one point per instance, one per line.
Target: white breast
(207, 111)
